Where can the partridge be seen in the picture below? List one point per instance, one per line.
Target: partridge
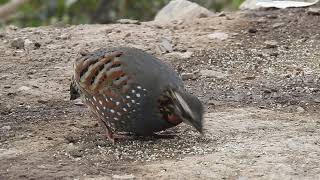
(131, 91)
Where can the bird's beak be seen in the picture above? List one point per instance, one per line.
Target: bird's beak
(184, 111)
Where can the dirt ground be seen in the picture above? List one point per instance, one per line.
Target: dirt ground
(260, 86)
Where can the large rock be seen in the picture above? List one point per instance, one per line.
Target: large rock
(255, 4)
(181, 10)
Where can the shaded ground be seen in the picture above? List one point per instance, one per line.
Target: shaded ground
(262, 101)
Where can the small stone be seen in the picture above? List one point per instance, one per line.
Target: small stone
(2, 35)
(252, 30)
(78, 102)
(218, 35)
(13, 27)
(221, 14)
(18, 43)
(65, 36)
(316, 100)
(108, 31)
(165, 46)
(186, 76)
(272, 16)
(6, 128)
(30, 45)
(271, 44)
(300, 109)
(24, 88)
(83, 52)
(41, 101)
(314, 11)
(213, 74)
(276, 25)
(128, 21)
(124, 177)
(274, 53)
(127, 35)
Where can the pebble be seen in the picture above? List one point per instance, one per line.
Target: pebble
(18, 43)
(271, 44)
(314, 11)
(24, 88)
(213, 74)
(64, 37)
(218, 35)
(124, 177)
(252, 30)
(128, 21)
(276, 25)
(7, 128)
(165, 46)
(186, 76)
(300, 109)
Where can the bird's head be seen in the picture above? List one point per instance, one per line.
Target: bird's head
(187, 107)
(74, 93)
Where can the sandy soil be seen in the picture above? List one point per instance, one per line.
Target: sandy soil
(262, 99)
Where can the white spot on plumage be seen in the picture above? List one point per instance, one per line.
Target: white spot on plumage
(128, 97)
(98, 108)
(117, 103)
(111, 99)
(115, 118)
(128, 105)
(100, 102)
(119, 114)
(138, 95)
(104, 108)
(124, 109)
(139, 87)
(112, 111)
(133, 101)
(133, 91)
(94, 98)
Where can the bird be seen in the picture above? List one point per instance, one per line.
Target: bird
(131, 91)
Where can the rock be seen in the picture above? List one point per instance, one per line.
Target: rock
(300, 109)
(165, 46)
(314, 11)
(64, 37)
(316, 100)
(18, 43)
(83, 52)
(124, 177)
(6, 128)
(2, 35)
(248, 4)
(221, 14)
(180, 55)
(276, 25)
(186, 76)
(24, 88)
(213, 74)
(218, 35)
(252, 30)
(30, 45)
(255, 4)
(181, 10)
(128, 21)
(271, 44)
(41, 101)
(78, 102)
